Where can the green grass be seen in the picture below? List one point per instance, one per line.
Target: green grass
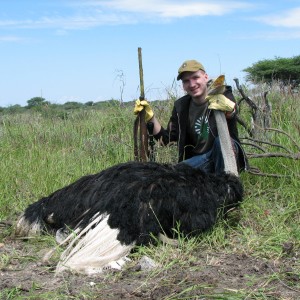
(39, 155)
(42, 152)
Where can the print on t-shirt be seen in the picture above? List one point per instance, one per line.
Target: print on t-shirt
(202, 128)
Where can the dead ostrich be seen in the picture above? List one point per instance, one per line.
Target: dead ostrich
(108, 213)
(129, 204)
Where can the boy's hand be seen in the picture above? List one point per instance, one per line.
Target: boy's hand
(140, 105)
(220, 102)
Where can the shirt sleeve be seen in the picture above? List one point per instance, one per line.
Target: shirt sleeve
(169, 134)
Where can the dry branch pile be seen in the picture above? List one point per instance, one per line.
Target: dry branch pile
(258, 131)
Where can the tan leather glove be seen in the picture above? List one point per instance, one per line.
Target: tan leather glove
(216, 98)
(220, 102)
(140, 105)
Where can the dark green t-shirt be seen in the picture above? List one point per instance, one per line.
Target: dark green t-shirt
(201, 131)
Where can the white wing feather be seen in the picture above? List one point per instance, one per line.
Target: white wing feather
(94, 249)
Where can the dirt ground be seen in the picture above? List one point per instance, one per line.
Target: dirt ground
(210, 276)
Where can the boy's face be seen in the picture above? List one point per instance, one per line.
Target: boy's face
(195, 83)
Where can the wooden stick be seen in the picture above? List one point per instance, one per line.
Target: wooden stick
(140, 126)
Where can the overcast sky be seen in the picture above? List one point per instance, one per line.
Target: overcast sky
(86, 50)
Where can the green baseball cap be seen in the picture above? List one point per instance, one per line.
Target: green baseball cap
(189, 66)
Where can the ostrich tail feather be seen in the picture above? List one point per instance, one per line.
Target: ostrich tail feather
(95, 249)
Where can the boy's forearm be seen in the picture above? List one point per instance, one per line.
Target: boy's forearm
(157, 126)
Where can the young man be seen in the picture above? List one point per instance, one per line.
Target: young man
(192, 123)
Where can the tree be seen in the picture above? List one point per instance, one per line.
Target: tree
(36, 102)
(72, 105)
(89, 103)
(284, 70)
(14, 109)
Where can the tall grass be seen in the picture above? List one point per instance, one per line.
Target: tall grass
(42, 153)
(270, 214)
